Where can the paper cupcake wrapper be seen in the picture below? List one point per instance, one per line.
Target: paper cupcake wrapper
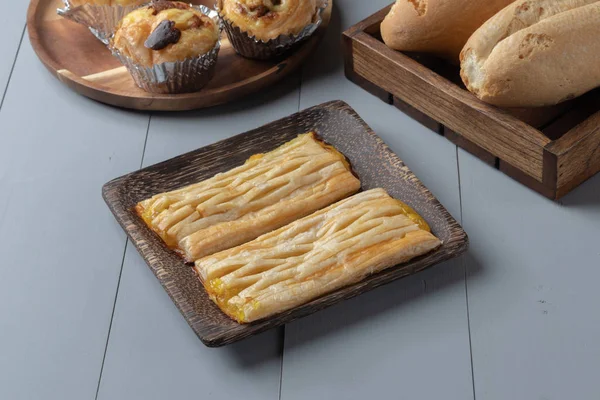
(186, 76)
(250, 47)
(102, 21)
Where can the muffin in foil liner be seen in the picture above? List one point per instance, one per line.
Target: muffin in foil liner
(250, 47)
(185, 76)
(102, 21)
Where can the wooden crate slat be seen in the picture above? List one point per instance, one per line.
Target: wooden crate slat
(471, 147)
(577, 154)
(551, 149)
(369, 24)
(525, 179)
(418, 116)
(493, 130)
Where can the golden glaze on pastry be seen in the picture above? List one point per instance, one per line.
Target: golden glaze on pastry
(318, 254)
(269, 191)
(267, 19)
(198, 33)
(76, 3)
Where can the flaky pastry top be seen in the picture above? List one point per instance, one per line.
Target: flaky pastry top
(318, 254)
(266, 192)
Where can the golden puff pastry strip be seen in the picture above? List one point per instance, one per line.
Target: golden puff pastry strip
(267, 192)
(330, 249)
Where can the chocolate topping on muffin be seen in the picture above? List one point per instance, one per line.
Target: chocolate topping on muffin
(164, 35)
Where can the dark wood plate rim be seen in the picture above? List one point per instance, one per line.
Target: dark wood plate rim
(455, 244)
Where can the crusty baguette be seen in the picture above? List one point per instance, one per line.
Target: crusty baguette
(535, 53)
(441, 27)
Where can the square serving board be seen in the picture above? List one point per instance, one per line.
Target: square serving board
(336, 123)
(552, 150)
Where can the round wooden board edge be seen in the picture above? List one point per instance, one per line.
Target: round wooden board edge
(180, 102)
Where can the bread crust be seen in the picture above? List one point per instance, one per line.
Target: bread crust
(441, 27)
(535, 53)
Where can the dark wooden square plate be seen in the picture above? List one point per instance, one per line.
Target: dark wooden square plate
(338, 124)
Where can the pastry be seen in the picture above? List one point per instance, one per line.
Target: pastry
(111, 3)
(269, 191)
(440, 27)
(535, 53)
(100, 16)
(267, 28)
(174, 38)
(332, 248)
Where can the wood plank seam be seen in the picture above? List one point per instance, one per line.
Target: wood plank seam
(12, 68)
(120, 276)
(463, 262)
(112, 316)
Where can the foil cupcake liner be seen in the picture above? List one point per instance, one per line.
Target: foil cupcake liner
(250, 47)
(101, 20)
(186, 76)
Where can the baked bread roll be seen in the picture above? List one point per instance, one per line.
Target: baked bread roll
(330, 249)
(267, 192)
(441, 27)
(535, 53)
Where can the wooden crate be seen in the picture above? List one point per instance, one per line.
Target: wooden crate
(551, 150)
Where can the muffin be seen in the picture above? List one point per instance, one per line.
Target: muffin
(100, 16)
(77, 3)
(264, 29)
(168, 46)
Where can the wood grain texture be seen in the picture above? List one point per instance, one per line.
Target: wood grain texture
(577, 154)
(525, 179)
(154, 355)
(418, 116)
(71, 53)
(521, 142)
(336, 122)
(144, 313)
(532, 287)
(61, 252)
(12, 23)
(472, 148)
(392, 342)
(495, 131)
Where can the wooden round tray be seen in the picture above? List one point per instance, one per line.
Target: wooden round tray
(84, 64)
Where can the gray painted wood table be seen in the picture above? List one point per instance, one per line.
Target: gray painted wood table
(81, 317)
